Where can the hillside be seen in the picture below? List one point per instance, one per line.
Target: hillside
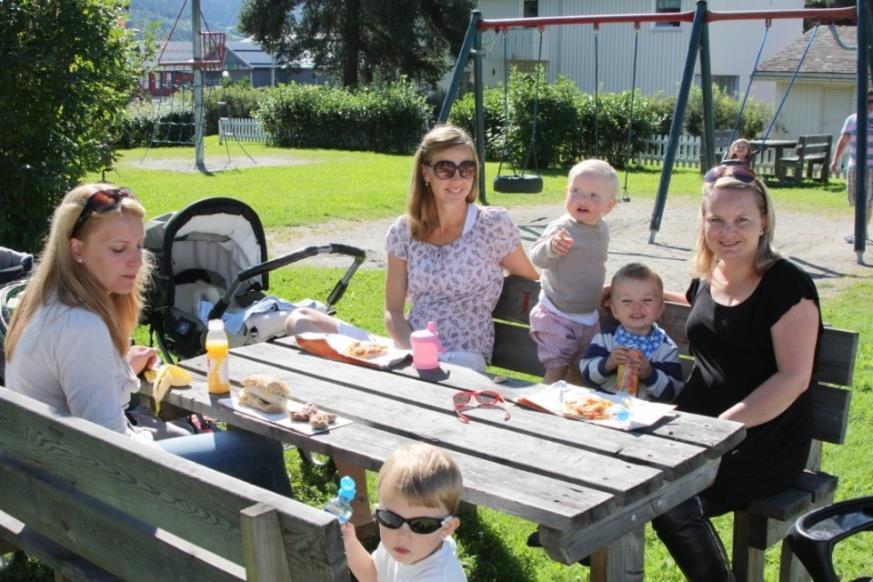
(219, 15)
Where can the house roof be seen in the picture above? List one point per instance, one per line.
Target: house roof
(251, 54)
(826, 58)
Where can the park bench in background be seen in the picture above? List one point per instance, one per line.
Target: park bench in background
(811, 150)
(92, 504)
(767, 521)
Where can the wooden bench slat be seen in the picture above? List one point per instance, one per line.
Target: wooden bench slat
(186, 501)
(830, 413)
(68, 565)
(103, 536)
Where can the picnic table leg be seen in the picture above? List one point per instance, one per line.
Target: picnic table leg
(622, 560)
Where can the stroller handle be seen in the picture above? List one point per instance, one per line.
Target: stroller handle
(333, 248)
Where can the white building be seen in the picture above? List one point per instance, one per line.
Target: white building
(823, 94)
(569, 50)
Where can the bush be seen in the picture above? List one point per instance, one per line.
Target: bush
(755, 116)
(565, 131)
(388, 119)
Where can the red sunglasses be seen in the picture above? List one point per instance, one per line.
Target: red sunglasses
(740, 172)
(486, 398)
(100, 202)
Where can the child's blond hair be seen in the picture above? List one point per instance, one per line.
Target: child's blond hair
(638, 272)
(732, 151)
(596, 169)
(423, 475)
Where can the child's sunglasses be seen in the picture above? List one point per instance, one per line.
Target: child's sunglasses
(486, 398)
(419, 525)
(740, 172)
(100, 202)
(445, 169)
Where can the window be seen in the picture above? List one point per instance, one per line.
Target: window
(663, 6)
(729, 84)
(531, 8)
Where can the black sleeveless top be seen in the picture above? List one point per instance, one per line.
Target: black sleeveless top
(734, 354)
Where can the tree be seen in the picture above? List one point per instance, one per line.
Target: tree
(360, 41)
(68, 71)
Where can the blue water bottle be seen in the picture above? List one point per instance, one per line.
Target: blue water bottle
(341, 505)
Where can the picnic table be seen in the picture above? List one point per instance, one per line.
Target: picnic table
(777, 145)
(590, 488)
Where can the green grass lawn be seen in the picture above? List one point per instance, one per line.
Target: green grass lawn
(357, 185)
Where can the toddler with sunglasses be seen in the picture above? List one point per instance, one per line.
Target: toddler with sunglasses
(572, 255)
(420, 489)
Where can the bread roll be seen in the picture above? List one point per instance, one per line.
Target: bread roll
(265, 393)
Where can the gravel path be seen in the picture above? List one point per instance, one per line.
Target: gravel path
(814, 242)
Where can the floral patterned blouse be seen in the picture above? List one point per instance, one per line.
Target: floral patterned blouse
(457, 285)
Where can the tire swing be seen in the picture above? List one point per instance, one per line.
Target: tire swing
(519, 182)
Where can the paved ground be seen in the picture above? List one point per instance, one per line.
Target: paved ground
(814, 242)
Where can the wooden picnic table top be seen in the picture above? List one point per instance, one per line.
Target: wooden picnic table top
(587, 484)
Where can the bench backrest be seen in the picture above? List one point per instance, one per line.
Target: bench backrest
(139, 512)
(515, 350)
(814, 144)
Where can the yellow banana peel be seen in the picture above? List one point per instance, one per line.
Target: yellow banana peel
(166, 377)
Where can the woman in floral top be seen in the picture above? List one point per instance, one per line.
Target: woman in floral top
(446, 256)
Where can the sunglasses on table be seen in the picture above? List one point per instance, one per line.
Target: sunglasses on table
(100, 202)
(484, 398)
(419, 525)
(741, 172)
(445, 169)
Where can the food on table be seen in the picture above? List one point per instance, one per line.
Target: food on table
(164, 378)
(316, 418)
(589, 407)
(264, 392)
(321, 419)
(365, 349)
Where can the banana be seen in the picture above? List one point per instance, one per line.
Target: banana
(164, 378)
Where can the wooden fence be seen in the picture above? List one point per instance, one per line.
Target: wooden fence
(241, 129)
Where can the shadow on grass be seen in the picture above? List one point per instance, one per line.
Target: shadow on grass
(486, 554)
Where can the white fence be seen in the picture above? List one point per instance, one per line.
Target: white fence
(241, 129)
(689, 152)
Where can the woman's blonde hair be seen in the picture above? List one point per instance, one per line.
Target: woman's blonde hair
(57, 274)
(705, 260)
(423, 475)
(421, 207)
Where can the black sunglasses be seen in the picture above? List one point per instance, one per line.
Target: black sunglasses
(419, 525)
(445, 169)
(740, 172)
(100, 202)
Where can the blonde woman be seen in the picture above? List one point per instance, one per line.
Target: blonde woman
(69, 339)
(446, 256)
(753, 328)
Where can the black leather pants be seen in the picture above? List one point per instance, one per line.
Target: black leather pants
(693, 542)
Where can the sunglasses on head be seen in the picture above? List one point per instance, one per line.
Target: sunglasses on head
(419, 525)
(100, 202)
(445, 169)
(740, 172)
(486, 398)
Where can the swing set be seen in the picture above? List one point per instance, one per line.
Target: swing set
(699, 20)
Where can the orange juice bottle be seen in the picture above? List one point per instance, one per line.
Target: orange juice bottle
(217, 348)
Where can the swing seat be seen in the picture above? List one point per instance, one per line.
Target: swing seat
(524, 184)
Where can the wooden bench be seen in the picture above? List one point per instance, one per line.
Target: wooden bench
(767, 521)
(811, 150)
(94, 505)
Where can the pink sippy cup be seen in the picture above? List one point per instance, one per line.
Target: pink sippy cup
(426, 347)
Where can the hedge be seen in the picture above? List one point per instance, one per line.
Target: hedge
(389, 119)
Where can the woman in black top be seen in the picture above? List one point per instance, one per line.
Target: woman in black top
(753, 329)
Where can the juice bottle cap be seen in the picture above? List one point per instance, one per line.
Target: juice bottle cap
(215, 324)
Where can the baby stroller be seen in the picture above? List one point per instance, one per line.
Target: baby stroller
(14, 269)
(211, 263)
